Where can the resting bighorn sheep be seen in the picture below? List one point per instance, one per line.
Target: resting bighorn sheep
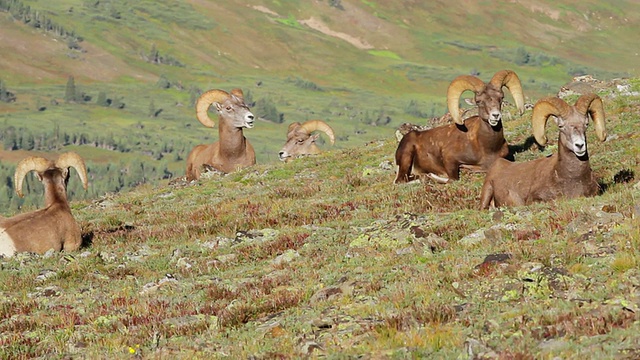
(232, 151)
(566, 173)
(301, 141)
(52, 227)
(474, 143)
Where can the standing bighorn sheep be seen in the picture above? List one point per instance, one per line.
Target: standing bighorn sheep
(52, 227)
(474, 143)
(566, 173)
(232, 151)
(301, 141)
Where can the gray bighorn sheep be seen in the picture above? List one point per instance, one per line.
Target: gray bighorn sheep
(232, 151)
(566, 173)
(474, 143)
(52, 227)
(301, 140)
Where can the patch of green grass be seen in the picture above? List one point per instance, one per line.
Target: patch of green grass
(385, 53)
(290, 21)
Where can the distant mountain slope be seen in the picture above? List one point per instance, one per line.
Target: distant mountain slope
(315, 39)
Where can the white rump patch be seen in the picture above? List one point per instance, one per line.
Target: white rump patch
(7, 247)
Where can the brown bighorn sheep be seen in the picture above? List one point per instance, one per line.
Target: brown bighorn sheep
(474, 143)
(566, 173)
(232, 151)
(54, 226)
(301, 141)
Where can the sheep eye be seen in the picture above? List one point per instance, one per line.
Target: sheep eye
(228, 108)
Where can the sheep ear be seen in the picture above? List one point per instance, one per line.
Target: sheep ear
(39, 176)
(558, 120)
(315, 137)
(238, 93)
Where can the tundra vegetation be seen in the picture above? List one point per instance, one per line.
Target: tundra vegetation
(320, 255)
(324, 256)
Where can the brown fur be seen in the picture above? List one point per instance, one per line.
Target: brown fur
(474, 143)
(301, 141)
(232, 151)
(565, 174)
(50, 228)
(442, 150)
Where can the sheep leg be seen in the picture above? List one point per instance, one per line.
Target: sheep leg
(514, 199)
(405, 165)
(486, 195)
(453, 170)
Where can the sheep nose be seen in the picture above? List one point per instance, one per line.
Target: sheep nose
(579, 146)
(250, 117)
(495, 115)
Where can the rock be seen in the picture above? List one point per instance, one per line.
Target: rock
(288, 256)
(46, 274)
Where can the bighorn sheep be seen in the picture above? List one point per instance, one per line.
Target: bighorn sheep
(54, 226)
(232, 151)
(301, 141)
(474, 143)
(566, 173)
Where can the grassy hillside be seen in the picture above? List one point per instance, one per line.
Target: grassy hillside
(325, 257)
(351, 63)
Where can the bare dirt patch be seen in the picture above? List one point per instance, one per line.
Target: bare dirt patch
(318, 25)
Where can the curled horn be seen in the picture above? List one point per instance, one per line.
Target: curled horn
(459, 85)
(511, 80)
(205, 100)
(541, 112)
(319, 125)
(74, 160)
(592, 104)
(32, 163)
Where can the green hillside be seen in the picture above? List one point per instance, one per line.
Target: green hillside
(363, 66)
(321, 257)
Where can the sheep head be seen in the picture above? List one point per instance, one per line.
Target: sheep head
(572, 121)
(229, 106)
(302, 141)
(57, 171)
(488, 97)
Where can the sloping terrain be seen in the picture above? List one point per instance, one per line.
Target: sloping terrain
(325, 257)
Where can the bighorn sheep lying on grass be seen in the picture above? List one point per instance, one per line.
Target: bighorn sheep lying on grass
(301, 141)
(232, 151)
(54, 226)
(566, 173)
(474, 143)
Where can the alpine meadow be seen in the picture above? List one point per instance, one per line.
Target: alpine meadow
(318, 256)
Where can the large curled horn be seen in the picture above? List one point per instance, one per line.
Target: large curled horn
(541, 112)
(74, 160)
(32, 163)
(459, 85)
(319, 125)
(511, 80)
(204, 101)
(592, 104)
